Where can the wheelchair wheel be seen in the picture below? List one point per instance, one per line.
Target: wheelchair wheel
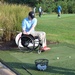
(20, 46)
(27, 41)
(36, 42)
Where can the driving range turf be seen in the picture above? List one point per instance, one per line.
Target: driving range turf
(57, 29)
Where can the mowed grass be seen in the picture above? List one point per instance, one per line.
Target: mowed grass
(57, 29)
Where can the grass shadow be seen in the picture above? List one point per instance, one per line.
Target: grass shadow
(50, 69)
(60, 70)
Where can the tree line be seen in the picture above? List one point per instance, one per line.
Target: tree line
(68, 6)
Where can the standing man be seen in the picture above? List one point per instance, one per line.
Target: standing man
(40, 11)
(28, 27)
(59, 11)
(34, 10)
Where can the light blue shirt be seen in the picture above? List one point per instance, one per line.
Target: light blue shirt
(27, 24)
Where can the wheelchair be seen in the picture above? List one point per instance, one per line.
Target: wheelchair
(28, 42)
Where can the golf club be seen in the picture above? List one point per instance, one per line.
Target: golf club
(26, 70)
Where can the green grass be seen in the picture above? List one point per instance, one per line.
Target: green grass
(63, 66)
(57, 29)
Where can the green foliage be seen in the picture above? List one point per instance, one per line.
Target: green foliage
(68, 6)
(11, 17)
(71, 6)
(51, 6)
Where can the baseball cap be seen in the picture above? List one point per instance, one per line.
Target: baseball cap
(31, 14)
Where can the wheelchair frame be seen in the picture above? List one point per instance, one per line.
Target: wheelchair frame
(29, 42)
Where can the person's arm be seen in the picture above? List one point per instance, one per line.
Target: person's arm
(24, 27)
(24, 32)
(33, 26)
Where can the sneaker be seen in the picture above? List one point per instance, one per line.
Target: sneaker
(45, 48)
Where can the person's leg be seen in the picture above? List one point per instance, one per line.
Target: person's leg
(42, 36)
(59, 14)
(39, 14)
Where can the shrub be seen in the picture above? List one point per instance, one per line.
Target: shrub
(11, 17)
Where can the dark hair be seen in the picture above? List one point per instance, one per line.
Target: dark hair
(31, 14)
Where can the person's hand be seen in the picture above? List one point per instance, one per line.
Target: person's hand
(25, 33)
(28, 33)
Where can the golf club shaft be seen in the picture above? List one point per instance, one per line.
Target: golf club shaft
(26, 70)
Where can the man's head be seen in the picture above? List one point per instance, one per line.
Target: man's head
(31, 14)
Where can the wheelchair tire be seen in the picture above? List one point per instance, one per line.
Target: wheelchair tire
(36, 42)
(20, 46)
(26, 41)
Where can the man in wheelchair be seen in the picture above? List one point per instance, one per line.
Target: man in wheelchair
(28, 27)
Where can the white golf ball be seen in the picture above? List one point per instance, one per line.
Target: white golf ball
(57, 57)
(69, 56)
